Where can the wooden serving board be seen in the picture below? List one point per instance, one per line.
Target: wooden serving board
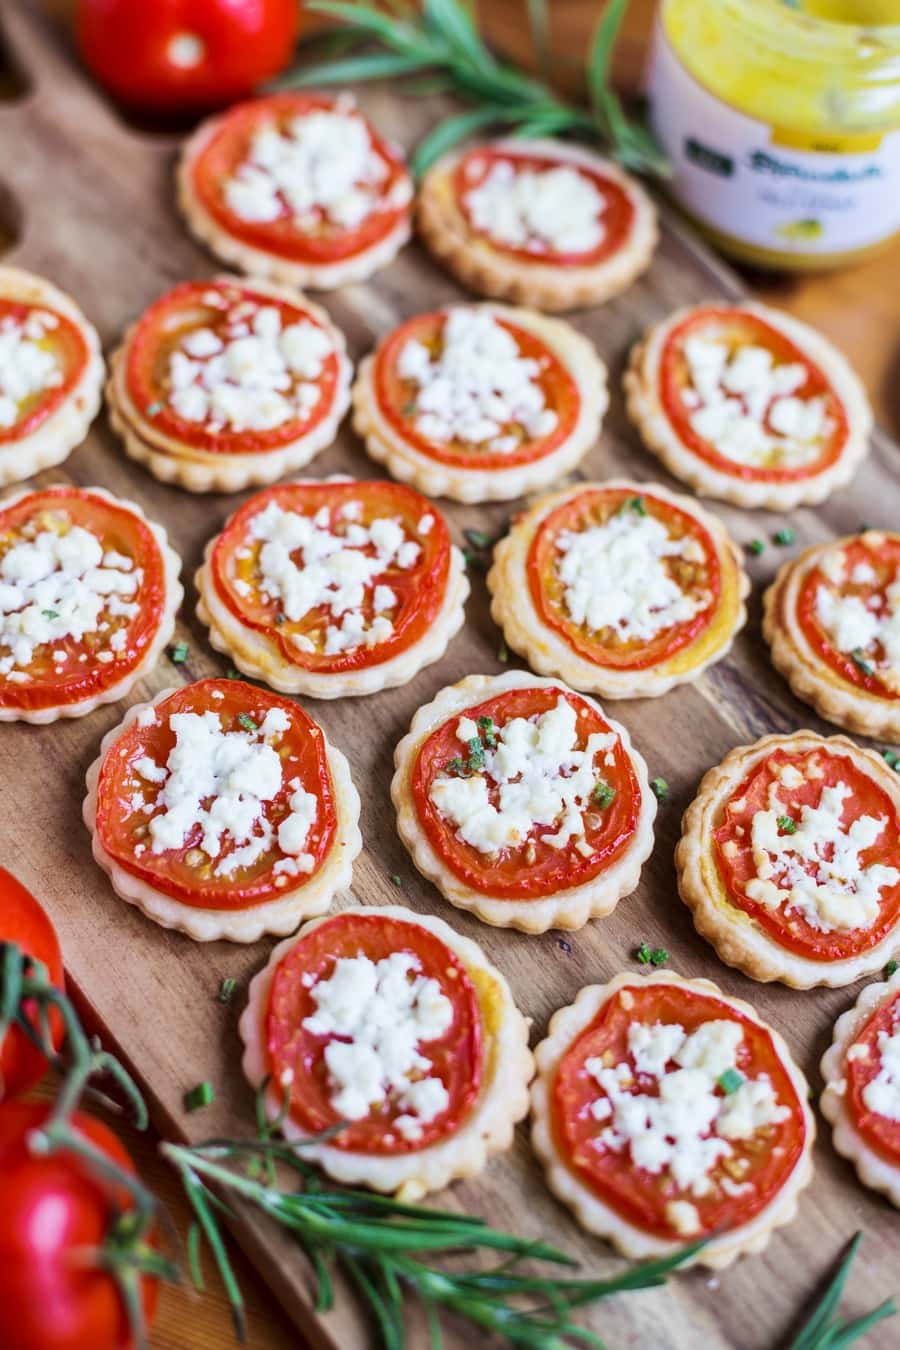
(95, 205)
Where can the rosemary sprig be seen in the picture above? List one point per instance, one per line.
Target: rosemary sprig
(442, 41)
(381, 1243)
(824, 1329)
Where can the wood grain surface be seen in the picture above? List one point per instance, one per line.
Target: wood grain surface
(97, 217)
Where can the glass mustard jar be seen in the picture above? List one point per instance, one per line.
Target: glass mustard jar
(781, 119)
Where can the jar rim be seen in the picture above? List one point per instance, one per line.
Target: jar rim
(780, 23)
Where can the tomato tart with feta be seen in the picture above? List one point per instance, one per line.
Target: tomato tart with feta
(538, 222)
(225, 384)
(749, 405)
(297, 187)
(480, 402)
(621, 588)
(51, 375)
(789, 860)
(523, 802)
(832, 621)
(221, 810)
(389, 1022)
(88, 594)
(861, 1070)
(333, 588)
(665, 1111)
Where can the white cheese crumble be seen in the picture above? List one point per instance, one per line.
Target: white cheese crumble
(685, 1128)
(28, 368)
(535, 777)
(309, 562)
(217, 784)
(56, 585)
(382, 1012)
(868, 627)
(615, 576)
(554, 210)
(818, 871)
(258, 375)
(747, 406)
(477, 388)
(322, 166)
(882, 1093)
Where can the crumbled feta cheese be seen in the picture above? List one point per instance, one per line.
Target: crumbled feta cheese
(28, 367)
(554, 210)
(882, 1093)
(869, 627)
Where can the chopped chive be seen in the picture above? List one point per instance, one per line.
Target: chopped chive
(891, 758)
(474, 560)
(455, 765)
(198, 1097)
(785, 537)
(503, 653)
(397, 881)
(154, 408)
(756, 547)
(409, 409)
(730, 1081)
(659, 788)
(603, 794)
(862, 665)
(488, 732)
(247, 722)
(863, 527)
(179, 653)
(226, 990)
(891, 969)
(659, 956)
(478, 538)
(635, 504)
(643, 954)
(232, 674)
(50, 613)
(787, 824)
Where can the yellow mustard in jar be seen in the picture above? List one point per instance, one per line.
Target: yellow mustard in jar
(781, 119)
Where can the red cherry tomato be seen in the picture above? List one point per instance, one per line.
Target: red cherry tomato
(55, 1217)
(24, 922)
(185, 56)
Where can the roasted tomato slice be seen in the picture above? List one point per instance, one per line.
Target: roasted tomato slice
(342, 985)
(869, 1078)
(43, 356)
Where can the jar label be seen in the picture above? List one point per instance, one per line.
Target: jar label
(770, 187)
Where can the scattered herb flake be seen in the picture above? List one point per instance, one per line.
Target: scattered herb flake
(891, 969)
(785, 537)
(232, 674)
(455, 765)
(247, 722)
(478, 538)
(756, 547)
(891, 758)
(397, 881)
(787, 824)
(659, 788)
(198, 1097)
(635, 504)
(474, 560)
(503, 652)
(50, 613)
(604, 794)
(863, 527)
(730, 1081)
(643, 954)
(409, 409)
(659, 956)
(226, 990)
(476, 754)
(862, 665)
(488, 732)
(178, 654)
(154, 408)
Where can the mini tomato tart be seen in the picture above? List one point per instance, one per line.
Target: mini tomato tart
(832, 621)
(539, 222)
(748, 405)
(51, 375)
(523, 802)
(225, 384)
(861, 1071)
(333, 588)
(480, 402)
(392, 1027)
(88, 593)
(297, 187)
(665, 1111)
(221, 810)
(789, 860)
(621, 588)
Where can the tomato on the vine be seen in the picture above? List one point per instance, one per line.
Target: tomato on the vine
(57, 1288)
(185, 56)
(23, 921)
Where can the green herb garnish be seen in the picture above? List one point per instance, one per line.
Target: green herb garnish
(179, 653)
(503, 652)
(455, 765)
(488, 732)
(787, 824)
(226, 990)
(891, 969)
(659, 956)
(476, 754)
(862, 665)
(891, 758)
(478, 538)
(756, 547)
(824, 1330)
(603, 795)
(660, 788)
(232, 674)
(442, 39)
(635, 504)
(198, 1097)
(50, 613)
(396, 881)
(643, 954)
(247, 722)
(785, 537)
(730, 1081)
(154, 408)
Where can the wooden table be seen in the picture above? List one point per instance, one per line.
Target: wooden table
(856, 308)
